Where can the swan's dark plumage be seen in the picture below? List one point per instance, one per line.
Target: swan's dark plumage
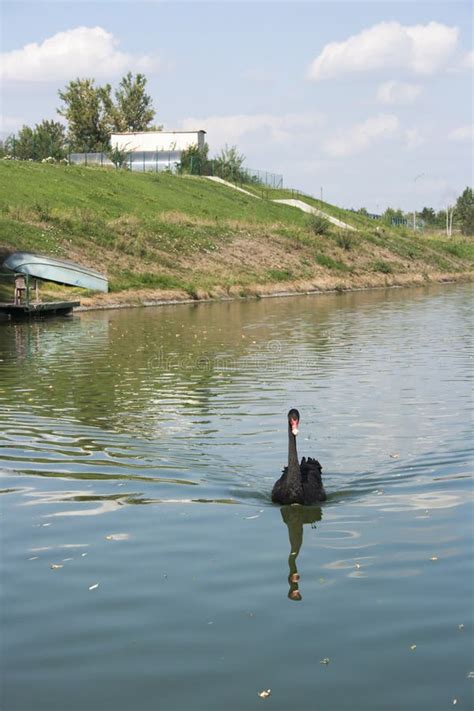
(300, 483)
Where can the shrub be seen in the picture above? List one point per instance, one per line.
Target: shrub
(345, 239)
(318, 225)
(279, 274)
(380, 266)
(325, 261)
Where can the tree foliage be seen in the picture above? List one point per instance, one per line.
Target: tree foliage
(87, 111)
(133, 109)
(92, 114)
(465, 212)
(228, 164)
(394, 217)
(195, 160)
(428, 216)
(46, 140)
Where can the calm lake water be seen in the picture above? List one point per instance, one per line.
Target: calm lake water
(143, 565)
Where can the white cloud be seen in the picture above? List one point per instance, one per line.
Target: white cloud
(274, 129)
(467, 62)
(413, 138)
(362, 135)
(462, 134)
(420, 48)
(83, 51)
(396, 92)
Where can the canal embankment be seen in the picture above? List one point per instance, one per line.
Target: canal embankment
(167, 238)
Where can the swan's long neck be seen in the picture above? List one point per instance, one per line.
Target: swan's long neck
(293, 466)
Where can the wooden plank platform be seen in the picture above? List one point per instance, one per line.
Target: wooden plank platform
(46, 308)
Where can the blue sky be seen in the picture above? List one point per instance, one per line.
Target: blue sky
(357, 98)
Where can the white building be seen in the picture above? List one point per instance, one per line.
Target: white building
(157, 141)
(146, 150)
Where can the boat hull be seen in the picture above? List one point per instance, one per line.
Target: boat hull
(59, 271)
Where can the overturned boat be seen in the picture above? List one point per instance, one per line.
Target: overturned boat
(59, 271)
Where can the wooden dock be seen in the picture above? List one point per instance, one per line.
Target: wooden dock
(32, 310)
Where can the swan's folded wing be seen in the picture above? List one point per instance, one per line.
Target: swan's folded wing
(312, 464)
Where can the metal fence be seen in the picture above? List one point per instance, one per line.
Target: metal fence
(158, 161)
(141, 161)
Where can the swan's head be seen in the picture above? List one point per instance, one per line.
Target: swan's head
(293, 421)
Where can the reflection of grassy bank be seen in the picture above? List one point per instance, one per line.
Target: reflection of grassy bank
(166, 237)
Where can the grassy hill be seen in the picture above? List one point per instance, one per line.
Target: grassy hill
(166, 236)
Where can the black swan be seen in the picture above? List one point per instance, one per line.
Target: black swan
(299, 483)
(295, 517)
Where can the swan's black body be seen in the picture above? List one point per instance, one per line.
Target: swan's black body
(299, 483)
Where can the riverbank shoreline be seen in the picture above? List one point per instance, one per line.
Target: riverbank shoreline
(153, 297)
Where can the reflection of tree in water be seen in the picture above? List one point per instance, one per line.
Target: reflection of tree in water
(131, 370)
(295, 516)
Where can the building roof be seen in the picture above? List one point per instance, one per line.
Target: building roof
(136, 133)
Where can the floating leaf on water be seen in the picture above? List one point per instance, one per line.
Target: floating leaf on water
(94, 587)
(434, 557)
(357, 566)
(413, 647)
(461, 626)
(55, 566)
(455, 702)
(326, 660)
(395, 456)
(265, 693)
(83, 555)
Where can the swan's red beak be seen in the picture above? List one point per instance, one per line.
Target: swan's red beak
(294, 426)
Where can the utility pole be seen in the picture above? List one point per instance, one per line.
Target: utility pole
(449, 220)
(414, 211)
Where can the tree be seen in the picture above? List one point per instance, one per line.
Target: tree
(46, 140)
(21, 146)
(428, 215)
(50, 140)
(465, 212)
(194, 160)
(394, 217)
(133, 109)
(87, 109)
(229, 163)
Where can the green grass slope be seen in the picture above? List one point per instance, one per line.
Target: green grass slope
(189, 236)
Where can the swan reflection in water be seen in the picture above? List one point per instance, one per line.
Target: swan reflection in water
(295, 516)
